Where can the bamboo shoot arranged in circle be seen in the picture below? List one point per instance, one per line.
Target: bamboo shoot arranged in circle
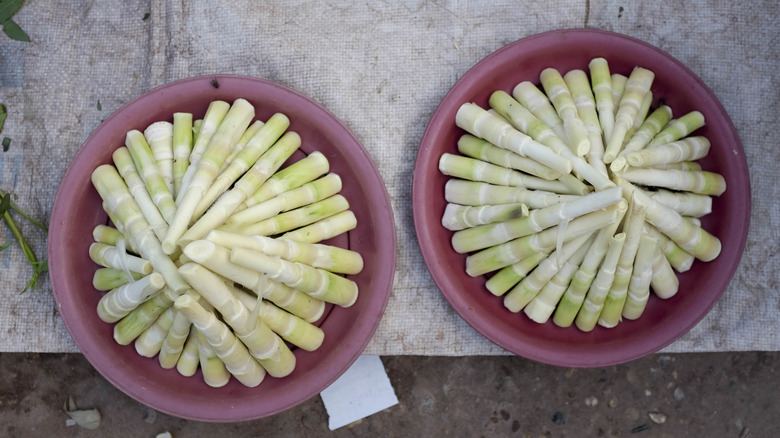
(579, 196)
(215, 257)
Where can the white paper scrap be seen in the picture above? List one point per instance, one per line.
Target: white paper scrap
(364, 389)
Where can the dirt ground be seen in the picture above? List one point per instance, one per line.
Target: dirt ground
(662, 395)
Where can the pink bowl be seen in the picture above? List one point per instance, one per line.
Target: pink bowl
(77, 210)
(664, 320)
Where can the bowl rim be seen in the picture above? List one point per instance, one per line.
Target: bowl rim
(349, 347)
(425, 221)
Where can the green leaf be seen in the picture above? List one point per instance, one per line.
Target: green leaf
(3, 115)
(6, 144)
(146, 16)
(6, 245)
(14, 31)
(99, 106)
(15, 208)
(32, 283)
(8, 8)
(39, 267)
(5, 203)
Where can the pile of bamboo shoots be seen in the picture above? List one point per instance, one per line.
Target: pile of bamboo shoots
(579, 197)
(214, 256)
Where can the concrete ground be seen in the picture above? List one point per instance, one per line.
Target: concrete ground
(663, 395)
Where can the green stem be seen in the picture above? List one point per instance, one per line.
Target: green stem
(39, 266)
(33, 221)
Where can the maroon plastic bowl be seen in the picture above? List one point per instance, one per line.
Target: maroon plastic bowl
(663, 320)
(77, 209)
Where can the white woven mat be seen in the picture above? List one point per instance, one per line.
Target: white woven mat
(382, 68)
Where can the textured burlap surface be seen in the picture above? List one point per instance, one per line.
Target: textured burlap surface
(382, 68)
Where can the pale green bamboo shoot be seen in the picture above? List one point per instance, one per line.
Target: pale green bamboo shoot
(126, 167)
(143, 316)
(588, 315)
(159, 136)
(480, 149)
(224, 343)
(261, 343)
(128, 216)
(496, 257)
(484, 236)
(459, 217)
(117, 303)
(149, 342)
(693, 239)
(641, 276)
(318, 283)
(664, 282)
(687, 149)
(530, 286)
(106, 279)
(577, 81)
(601, 81)
(563, 102)
(573, 297)
(471, 169)
(293, 176)
(111, 257)
(533, 99)
(173, 345)
(482, 124)
(263, 168)
(471, 193)
(308, 193)
(506, 278)
(106, 234)
(215, 373)
(203, 131)
(182, 147)
(684, 203)
(146, 166)
(217, 259)
(679, 128)
(265, 137)
(543, 304)
(296, 218)
(633, 229)
(291, 328)
(700, 182)
(638, 84)
(233, 125)
(526, 122)
(642, 137)
(680, 260)
(187, 364)
(328, 257)
(324, 229)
